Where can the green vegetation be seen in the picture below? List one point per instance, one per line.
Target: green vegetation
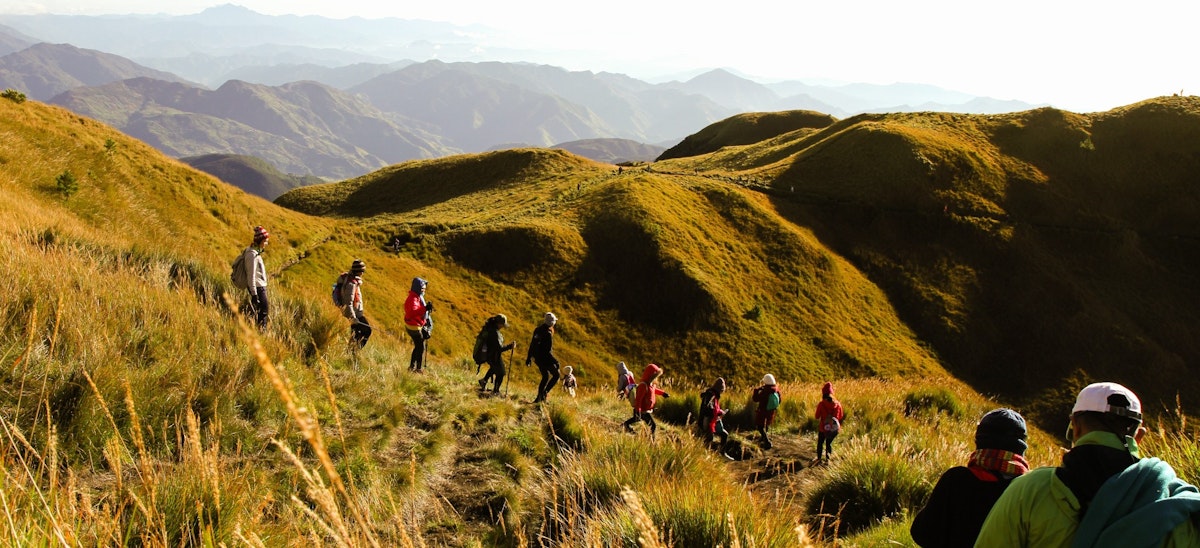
(139, 409)
(13, 95)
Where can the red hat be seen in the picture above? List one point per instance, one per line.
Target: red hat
(261, 234)
(827, 389)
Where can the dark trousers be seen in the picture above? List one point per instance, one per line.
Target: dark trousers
(260, 304)
(646, 417)
(826, 439)
(548, 366)
(417, 360)
(495, 371)
(361, 331)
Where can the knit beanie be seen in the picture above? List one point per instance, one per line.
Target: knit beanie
(1001, 429)
(260, 234)
(768, 379)
(358, 267)
(827, 389)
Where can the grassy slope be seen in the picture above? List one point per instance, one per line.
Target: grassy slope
(141, 390)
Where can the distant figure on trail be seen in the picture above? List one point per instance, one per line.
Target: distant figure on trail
(352, 309)
(767, 396)
(709, 417)
(568, 381)
(418, 322)
(964, 494)
(541, 352)
(1104, 493)
(396, 244)
(256, 276)
(644, 401)
(829, 420)
(491, 348)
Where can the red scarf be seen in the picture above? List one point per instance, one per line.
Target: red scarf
(998, 461)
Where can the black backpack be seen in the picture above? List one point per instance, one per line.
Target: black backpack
(480, 352)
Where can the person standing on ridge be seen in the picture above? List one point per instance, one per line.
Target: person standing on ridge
(256, 276)
(493, 350)
(829, 420)
(541, 352)
(643, 407)
(767, 396)
(353, 307)
(964, 494)
(1104, 494)
(417, 322)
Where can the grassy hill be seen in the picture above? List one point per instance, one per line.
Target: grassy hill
(138, 409)
(254, 175)
(744, 129)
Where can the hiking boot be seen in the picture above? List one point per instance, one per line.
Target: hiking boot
(483, 384)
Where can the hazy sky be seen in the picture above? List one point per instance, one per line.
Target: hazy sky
(1080, 55)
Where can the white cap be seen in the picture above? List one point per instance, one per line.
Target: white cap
(1109, 397)
(768, 379)
(551, 318)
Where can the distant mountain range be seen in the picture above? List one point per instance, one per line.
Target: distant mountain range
(337, 98)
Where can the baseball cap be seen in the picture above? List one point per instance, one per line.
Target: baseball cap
(1111, 398)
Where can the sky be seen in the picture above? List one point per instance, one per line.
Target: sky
(1079, 55)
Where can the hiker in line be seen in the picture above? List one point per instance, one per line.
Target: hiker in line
(417, 322)
(493, 350)
(568, 381)
(709, 417)
(964, 494)
(353, 307)
(256, 276)
(1104, 493)
(647, 391)
(768, 399)
(541, 352)
(829, 420)
(627, 387)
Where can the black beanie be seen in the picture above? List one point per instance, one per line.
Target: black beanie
(1001, 429)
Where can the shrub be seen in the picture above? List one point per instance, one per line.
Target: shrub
(13, 95)
(678, 409)
(937, 400)
(563, 428)
(864, 490)
(66, 183)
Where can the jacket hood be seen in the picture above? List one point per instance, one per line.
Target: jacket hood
(621, 368)
(651, 371)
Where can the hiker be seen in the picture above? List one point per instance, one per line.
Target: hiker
(709, 417)
(643, 407)
(768, 398)
(417, 322)
(626, 386)
(493, 350)
(568, 381)
(353, 307)
(1104, 493)
(256, 275)
(396, 245)
(829, 420)
(964, 494)
(541, 352)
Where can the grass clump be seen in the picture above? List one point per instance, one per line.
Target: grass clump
(932, 400)
(865, 489)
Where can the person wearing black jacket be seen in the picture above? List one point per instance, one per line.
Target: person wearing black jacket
(494, 348)
(541, 351)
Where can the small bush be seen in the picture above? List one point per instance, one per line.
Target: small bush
(564, 429)
(864, 491)
(13, 95)
(678, 409)
(66, 183)
(936, 400)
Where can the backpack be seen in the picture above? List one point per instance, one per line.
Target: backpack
(706, 404)
(237, 274)
(830, 424)
(479, 353)
(337, 290)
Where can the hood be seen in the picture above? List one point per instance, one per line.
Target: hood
(651, 371)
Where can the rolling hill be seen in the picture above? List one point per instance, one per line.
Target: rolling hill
(304, 127)
(250, 174)
(45, 70)
(612, 151)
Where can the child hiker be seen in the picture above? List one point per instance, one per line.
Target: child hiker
(568, 381)
(643, 407)
(829, 420)
(709, 418)
(767, 397)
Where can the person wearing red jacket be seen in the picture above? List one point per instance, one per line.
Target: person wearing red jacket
(643, 407)
(829, 420)
(417, 322)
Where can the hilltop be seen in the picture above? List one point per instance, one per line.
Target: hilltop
(254, 175)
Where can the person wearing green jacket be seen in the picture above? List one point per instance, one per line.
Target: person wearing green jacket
(1104, 494)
